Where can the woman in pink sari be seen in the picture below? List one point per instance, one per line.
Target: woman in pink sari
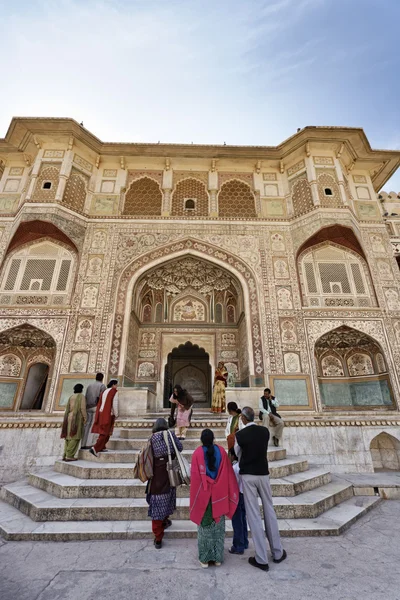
(184, 402)
(214, 495)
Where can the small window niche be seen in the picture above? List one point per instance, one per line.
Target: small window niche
(47, 185)
(328, 191)
(189, 204)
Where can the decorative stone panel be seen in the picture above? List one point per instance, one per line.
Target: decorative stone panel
(75, 191)
(49, 173)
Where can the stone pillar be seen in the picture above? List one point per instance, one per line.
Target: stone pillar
(258, 191)
(213, 190)
(167, 190)
(342, 189)
(312, 180)
(65, 171)
(34, 174)
(284, 188)
(4, 176)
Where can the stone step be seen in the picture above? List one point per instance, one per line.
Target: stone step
(137, 444)
(41, 506)
(66, 486)
(106, 466)
(15, 526)
(193, 433)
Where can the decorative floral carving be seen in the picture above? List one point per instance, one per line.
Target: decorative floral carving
(392, 299)
(89, 299)
(281, 269)
(10, 365)
(84, 331)
(332, 366)
(360, 364)
(292, 362)
(79, 362)
(288, 332)
(146, 369)
(284, 297)
(189, 310)
(277, 242)
(229, 339)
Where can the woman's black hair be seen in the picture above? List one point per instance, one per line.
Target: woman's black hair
(160, 425)
(207, 439)
(179, 389)
(234, 407)
(112, 382)
(78, 388)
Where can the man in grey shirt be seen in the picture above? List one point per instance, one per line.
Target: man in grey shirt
(93, 393)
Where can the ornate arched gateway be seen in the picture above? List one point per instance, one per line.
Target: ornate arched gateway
(188, 291)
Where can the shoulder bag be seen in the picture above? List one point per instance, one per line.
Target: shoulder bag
(143, 469)
(174, 473)
(184, 465)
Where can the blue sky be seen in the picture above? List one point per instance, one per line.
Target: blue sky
(237, 71)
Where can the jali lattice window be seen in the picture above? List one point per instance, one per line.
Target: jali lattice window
(236, 199)
(37, 274)
(333, 276)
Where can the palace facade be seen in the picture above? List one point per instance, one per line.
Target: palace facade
(153, 262)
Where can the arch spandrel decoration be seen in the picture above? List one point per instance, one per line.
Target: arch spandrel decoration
(231, 261)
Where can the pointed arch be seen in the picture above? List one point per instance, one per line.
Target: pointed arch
(358, 384)
(125, 282)
(235, 199)
(385, 452)
(187, 189)
(143, 198)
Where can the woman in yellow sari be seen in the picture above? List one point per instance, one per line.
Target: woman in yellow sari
(218, 404)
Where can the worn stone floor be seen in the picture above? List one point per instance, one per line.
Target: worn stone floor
(362, 563)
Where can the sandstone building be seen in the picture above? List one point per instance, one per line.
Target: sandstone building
(152, 262)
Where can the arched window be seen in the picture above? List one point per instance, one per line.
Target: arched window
(190, 204)
(346, 373)
(38, 274)
(218, 313)
(190, 194)
(143, 199)
(333, 276)
(147, 314)
(236, 200)
(159, 313)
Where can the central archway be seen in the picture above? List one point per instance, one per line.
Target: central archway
(189, 366)
(132, 328)
(194, 292)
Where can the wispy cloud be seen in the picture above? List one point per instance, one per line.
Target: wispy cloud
(203, 71)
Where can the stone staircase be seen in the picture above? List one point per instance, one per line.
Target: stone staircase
(96, 498)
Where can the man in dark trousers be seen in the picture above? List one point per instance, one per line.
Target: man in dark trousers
(93, 394)
(251, 448)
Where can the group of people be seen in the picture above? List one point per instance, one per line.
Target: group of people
(223, 484)
(88, 415)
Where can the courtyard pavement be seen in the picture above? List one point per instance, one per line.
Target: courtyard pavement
(362, 563)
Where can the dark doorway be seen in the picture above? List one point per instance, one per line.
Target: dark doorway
(35, 387)
(189, 366)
